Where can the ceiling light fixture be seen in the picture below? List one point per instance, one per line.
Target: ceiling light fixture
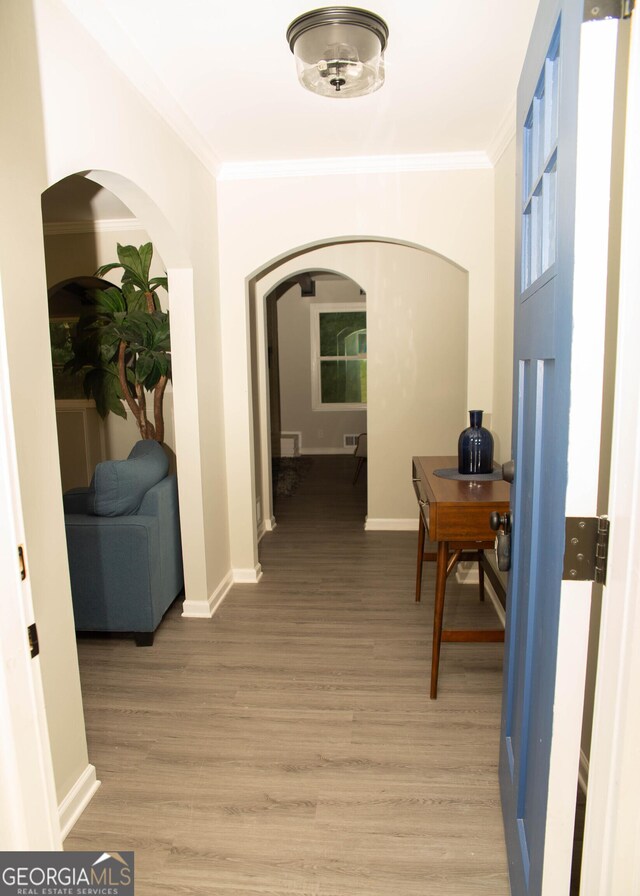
(339, 50)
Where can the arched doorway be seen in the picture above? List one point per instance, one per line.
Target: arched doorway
(417, 309)
(55, 620)
(317, 375)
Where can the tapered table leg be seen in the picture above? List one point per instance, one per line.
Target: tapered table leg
(438, 611)
(421, 536)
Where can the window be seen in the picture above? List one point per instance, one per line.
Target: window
(339, 357)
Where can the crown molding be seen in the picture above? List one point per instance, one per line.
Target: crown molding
(503, 136)
(446, 161)
(123, 53)
(59, 228)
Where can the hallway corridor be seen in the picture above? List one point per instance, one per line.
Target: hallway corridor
(288, 746)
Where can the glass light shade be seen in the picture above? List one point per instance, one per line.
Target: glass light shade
(339, 51)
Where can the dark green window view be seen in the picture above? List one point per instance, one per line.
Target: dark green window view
(343, 357)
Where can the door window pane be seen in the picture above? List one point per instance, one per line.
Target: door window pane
(540, 139)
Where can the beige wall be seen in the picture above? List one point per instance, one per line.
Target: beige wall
(53, 127)
(505, 212)
(23, 176)
(79, 254)
(321, 430)
(448, 212)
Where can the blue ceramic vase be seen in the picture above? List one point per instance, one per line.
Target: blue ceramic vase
(475, 447)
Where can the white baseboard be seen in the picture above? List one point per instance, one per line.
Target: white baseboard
(493, 597)
(261, 530)
(290, 444)
(390, 525)
(247, 576)
(269, 524)
(583, 771)
(77, 800)
(200, 609)
(467, 572)
(326, 451)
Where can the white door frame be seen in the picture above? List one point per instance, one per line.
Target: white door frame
(596, 103)
(611, 853)
(29, 818)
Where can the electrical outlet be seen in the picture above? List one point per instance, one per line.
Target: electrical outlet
(320, 433)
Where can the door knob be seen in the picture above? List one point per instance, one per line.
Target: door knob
(509, 470)
(502, 521)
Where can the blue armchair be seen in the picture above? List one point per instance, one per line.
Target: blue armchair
(123, 542)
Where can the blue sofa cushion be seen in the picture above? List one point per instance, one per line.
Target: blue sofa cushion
(118, 486)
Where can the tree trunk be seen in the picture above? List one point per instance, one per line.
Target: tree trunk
(158, 416)
(137, 407)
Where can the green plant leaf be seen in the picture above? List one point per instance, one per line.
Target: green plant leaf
(134, 297)
(144, 366)
(145, 253)
(135, 263)
(157, 282)
(105, 268)
(108, 301)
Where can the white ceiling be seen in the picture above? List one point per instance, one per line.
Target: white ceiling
(223, 75)
(224, 72)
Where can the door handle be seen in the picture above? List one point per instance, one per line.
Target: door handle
(509, 470)
(501, 525)
(499, 521)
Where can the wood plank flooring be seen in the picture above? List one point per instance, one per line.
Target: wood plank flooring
(288, 745)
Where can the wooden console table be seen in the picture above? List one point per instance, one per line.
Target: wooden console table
(455, 515)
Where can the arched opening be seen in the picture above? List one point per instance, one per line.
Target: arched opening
(83, 225)
(84, 220)
(418, 336)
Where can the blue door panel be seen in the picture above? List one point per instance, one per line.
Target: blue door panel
(542, 363)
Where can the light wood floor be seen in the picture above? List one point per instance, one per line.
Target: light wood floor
(288, 745)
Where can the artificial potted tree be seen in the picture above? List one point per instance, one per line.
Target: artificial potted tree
(122, 344)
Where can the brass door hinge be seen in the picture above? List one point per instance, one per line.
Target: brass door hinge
(22, 563)
(34, 644)
(596, 10)
(586, 549)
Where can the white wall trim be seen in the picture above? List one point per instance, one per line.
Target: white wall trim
(247, 576)
(262, 528)
(504, 135)
(467, 572)
(390, 525)
(269, 523)
(60, 228)
(326, 451)
(77, 799)
(443, 161)
(200, 609)
(493, 597)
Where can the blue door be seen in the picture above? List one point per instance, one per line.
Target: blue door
(546, 123)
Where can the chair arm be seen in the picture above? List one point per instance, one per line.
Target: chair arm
(114, 563)
(76, 500)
